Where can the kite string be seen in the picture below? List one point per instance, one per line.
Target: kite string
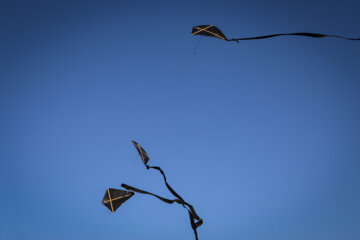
(130, 168)
(170, 97)
(98, 226)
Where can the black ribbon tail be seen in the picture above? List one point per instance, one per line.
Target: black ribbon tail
(193, 225)
(166, 183)
(130, 188)
(305, 34)
(192, 209)
(192, 214)
(189, 207)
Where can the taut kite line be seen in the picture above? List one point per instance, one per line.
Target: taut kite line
(212, 31)
(113, 198)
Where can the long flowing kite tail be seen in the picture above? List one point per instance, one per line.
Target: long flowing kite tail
(166, 183)
(192, 213)
(304, 34)
(183, 202)
(193, 225)
(130, 188)
(199, 223)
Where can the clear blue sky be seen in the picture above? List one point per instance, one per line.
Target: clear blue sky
(262, 137)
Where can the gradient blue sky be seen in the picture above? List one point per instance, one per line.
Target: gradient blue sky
(262, 137)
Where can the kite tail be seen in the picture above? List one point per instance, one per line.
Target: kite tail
(305, 34)
(192, 213)
(166, 183)
(130, 188)
(183, 202)
(194, 225)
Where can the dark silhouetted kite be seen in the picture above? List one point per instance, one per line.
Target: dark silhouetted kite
(113, 198)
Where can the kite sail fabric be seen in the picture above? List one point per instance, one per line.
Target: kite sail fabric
(208, 30)
(212, 31)
(193, 215)
(144, 157)
(113, 198)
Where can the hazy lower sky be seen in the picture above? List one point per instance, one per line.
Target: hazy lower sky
(262, 137)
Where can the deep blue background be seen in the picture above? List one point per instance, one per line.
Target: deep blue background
(262, 137)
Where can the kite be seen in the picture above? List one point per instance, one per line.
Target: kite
(212, 31)
(114, 198)
(144, 157)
